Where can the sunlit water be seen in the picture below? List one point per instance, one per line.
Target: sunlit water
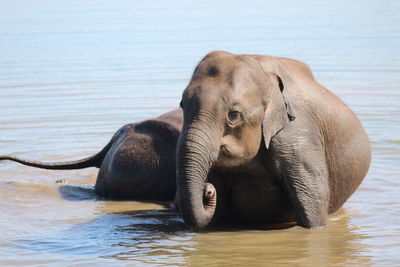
(72, 73)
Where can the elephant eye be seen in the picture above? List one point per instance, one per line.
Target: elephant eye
(233, 115)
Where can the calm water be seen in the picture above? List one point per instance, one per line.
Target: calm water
(73, 72)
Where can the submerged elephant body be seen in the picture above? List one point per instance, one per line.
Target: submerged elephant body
(268, 143)
(138, 163)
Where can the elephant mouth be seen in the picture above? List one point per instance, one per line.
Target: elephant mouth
(227, 152)
(227, 158)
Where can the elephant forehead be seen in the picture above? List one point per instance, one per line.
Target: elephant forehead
(243, 96)
(203, 94)
(227, 67)
(211, 92)
(244, 88)
(228, 78)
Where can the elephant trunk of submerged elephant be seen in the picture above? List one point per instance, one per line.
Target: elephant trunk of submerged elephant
(196, 152)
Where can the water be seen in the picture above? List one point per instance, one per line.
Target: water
(73, 72)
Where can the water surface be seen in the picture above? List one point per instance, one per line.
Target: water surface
(73, 72)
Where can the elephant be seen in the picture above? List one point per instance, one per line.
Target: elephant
(138, 163)
(263, 142)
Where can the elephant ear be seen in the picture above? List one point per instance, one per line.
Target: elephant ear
(279, 111)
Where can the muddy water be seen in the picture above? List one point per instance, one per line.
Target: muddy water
(71, 73)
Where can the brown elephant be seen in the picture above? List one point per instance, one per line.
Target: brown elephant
(138, 162)
(263, 142)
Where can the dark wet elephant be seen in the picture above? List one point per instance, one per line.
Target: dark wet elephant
(263, 142)
(138, 163)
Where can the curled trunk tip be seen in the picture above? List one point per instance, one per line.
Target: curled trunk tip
(198, 217)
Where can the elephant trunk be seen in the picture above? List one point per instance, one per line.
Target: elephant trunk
(197, 198)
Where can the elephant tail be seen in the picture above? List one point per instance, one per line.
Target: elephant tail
(92, 161)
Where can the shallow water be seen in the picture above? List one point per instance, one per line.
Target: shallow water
(73, 72)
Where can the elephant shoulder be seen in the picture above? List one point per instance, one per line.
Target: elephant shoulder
(159, 129)
(123, 132)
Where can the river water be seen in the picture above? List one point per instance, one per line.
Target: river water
(73, 72)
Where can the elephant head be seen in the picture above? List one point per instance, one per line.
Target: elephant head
(230, 105)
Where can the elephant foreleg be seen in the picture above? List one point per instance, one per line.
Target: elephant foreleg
(307, 183)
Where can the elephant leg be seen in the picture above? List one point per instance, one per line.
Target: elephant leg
(306, 180)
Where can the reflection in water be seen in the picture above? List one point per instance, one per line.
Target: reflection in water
(77, 193)
(141, 237)
(154, 236)
(337, 243)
